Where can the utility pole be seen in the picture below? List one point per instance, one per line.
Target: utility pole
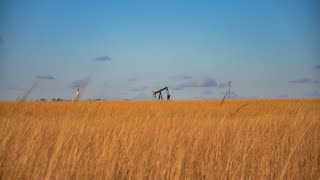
(229, 90)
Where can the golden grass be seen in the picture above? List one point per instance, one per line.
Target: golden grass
(243, 139)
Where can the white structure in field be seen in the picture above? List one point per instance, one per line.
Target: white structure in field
(77, 94)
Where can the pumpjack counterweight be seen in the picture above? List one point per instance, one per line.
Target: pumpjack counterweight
(160, 94)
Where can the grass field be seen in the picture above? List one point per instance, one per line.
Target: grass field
(199, 139)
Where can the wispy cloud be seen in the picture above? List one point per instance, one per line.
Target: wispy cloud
(207, 92)
(316, 81)
(15, 88)
(137, 89)
(133, 79)
(206, 82)
(304, 81)
(45, 77)
(79, 84)
(223, 85)
(102, 58)
(185, 77)
(315, 93)
(180, 77)
(317, 66)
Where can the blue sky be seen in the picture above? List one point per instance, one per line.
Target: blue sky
(266, 48)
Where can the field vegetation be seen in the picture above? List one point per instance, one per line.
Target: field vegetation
(177, 139)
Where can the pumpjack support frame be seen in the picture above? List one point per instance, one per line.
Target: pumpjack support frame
(160, 94)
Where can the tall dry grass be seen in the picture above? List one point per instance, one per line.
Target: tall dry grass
(243, 139)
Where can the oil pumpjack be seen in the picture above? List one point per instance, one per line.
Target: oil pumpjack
(160, 95)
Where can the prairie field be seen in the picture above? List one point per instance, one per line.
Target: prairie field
(177, 139)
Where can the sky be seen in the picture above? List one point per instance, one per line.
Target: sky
(121, 49)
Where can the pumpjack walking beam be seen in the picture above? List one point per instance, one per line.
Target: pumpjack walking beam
(160, 94)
